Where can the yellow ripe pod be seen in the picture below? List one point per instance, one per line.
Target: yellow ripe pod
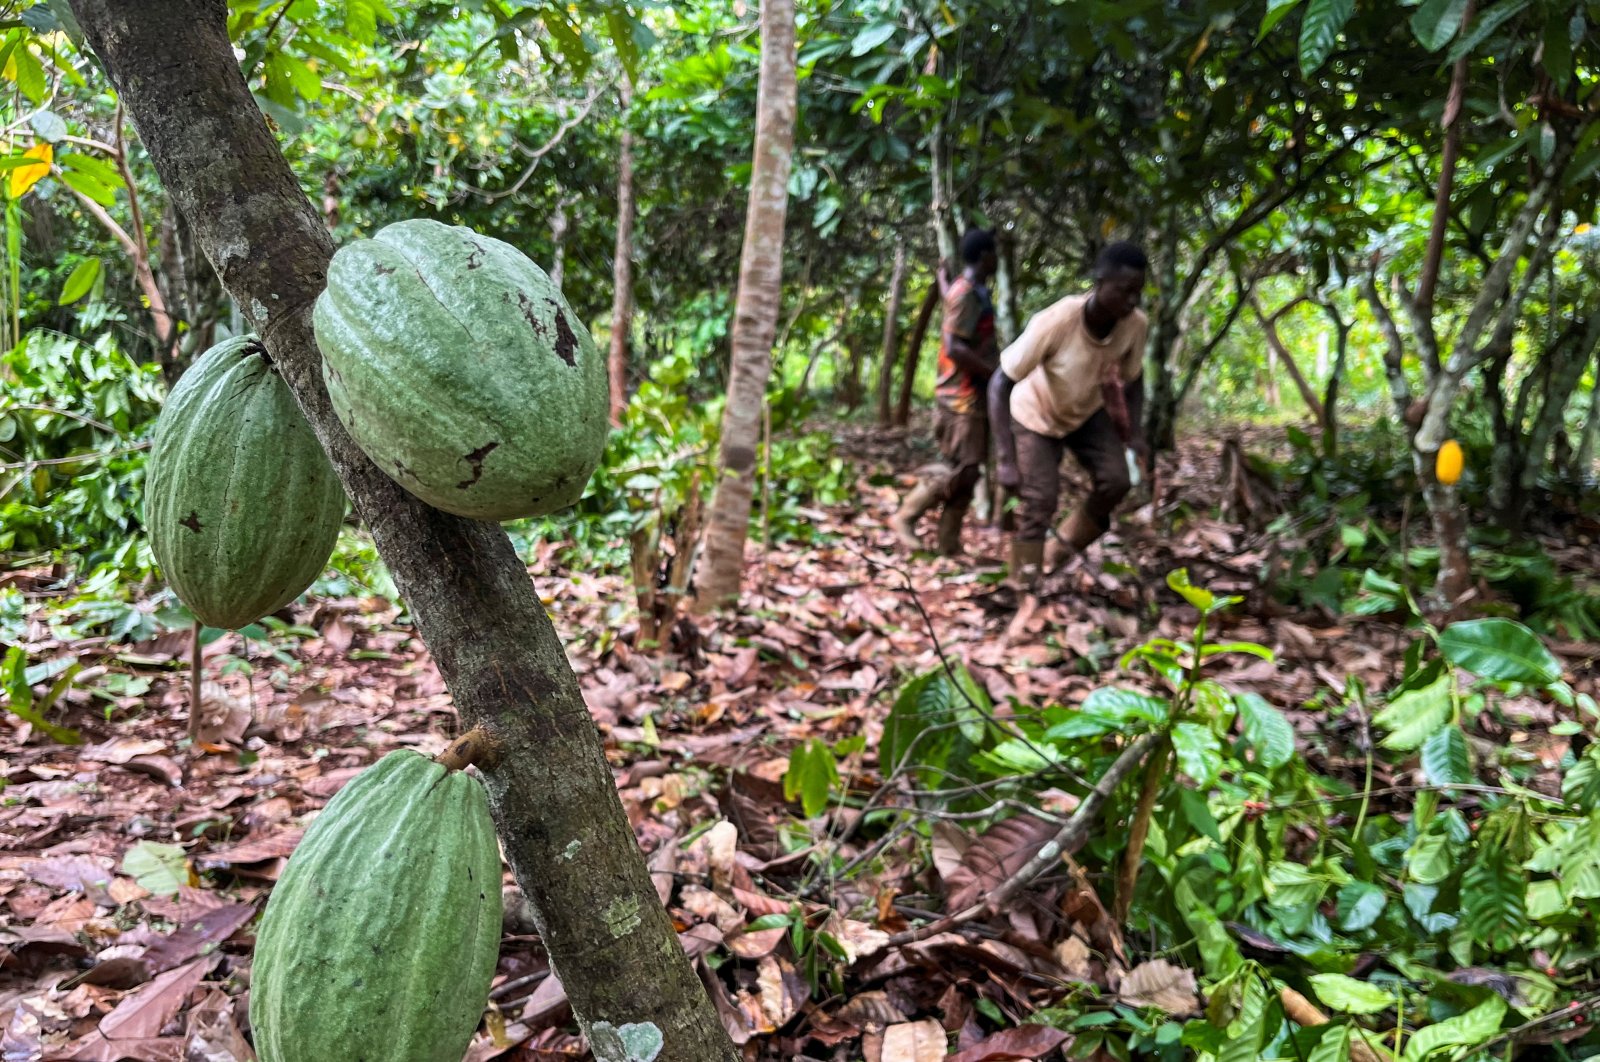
(1447, 466)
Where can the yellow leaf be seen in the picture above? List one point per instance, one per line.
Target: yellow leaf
(1581, 229)
(25, 177)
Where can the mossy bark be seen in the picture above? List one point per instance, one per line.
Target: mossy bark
(555, 806)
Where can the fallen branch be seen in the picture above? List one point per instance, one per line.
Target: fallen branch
(1302, 1011)
(1068, 838)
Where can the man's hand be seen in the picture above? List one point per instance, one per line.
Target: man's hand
(1005, 471)
(942, 276)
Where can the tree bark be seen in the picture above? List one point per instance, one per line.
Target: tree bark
(755, 318)
(622, 266)
(891, 333)
(1006, 296)
(908, 376)
(554, 801)
(1269, 328)
(1330, 396)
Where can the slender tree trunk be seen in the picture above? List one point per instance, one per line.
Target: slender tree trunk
(1161, 389)
(552, 794)
(1006, 296)
(622, 266)
(891, 333)
(1280, 352)
(755, 311)
(560, 223)
(942, 208)
(1583, 459)
(1330, 396)
(908, 376)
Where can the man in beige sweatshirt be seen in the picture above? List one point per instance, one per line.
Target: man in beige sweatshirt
(1073, 381)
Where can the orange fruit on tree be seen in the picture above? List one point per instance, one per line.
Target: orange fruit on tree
(1447, 466)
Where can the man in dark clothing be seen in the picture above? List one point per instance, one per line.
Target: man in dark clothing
(1073, 381)
(967, 356)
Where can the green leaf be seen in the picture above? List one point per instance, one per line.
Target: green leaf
(162, 869)
(1484, 25)
(1202, 599)
(812, 775)
(1334, 1046)
(80, 281)
(100, 170)
(1199, 752)
(772, 921)
(1412, 717)
(1473, 1027)
(1198, 813)
(1319, 31)
(16, 681)
(1429, 860)
(91, 188)
(29, 73)
(1437, 21)
(1446, 758)
(1295, 885)
(1500, 650)
(1349, 996)
(869, 38)
(1267, 730)
(1249, 1030)
(1277, 11)
(1557, 59)
(1361, 904)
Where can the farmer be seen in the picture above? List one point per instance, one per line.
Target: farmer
(1072, 381)
(961, 424)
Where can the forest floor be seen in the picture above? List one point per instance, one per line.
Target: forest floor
(114, 944)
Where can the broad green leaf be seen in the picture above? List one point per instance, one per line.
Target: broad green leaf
(162, 869)
(1319, 31)
(1199, 752)
(91, 188)
(1198, 813)
(1429, 859)
(870, 37)
(779, 920)
(1110, 709)
(1484, 25)
(1473, 1027)
(1437, 21)
(1349, 996)
(1500, 650)
(1412, 717)
(1267, 730)
(26, 70)
(1361, 904)
(1277, 11)
(1248, 1033)
(1333, 1047)
(1544, 900)
(1446, 758)
(1295, 885)
(1557, 58)
(811, 776)
(99, 169)
(80, 281)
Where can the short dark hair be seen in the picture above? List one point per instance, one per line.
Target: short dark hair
(1120, 255)
(975, 244)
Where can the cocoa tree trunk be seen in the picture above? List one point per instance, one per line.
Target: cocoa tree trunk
(908, 375)
(891, 332)
(1330, 395)
(554, 802)
(622, 266)
(755, 317)
(1006, 296)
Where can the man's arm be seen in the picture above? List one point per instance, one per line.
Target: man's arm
(1005, 443)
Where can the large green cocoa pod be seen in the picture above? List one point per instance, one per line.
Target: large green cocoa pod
(242, 506)
(457, 366)
(380, 939)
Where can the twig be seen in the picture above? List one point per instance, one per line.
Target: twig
(1066, 839)
(539, 153)
(75, 458)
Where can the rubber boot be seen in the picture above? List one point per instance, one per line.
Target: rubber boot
(1026, 560)
(924, 496)
(950, 520)
(1073, 537)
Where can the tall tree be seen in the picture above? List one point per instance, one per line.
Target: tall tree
(755, 315)
(555, 804)
(622, 268)
(891, 334)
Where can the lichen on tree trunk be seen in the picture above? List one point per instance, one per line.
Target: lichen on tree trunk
(555, 805)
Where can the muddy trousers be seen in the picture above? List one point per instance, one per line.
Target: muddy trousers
(1100, 450)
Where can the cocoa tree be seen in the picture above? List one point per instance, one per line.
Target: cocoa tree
(755, 315)
(556, 809)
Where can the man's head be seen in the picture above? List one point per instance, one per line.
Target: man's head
(1119, 272)
(978, 251)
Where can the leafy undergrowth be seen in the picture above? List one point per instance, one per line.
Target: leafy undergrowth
(1364, 835)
